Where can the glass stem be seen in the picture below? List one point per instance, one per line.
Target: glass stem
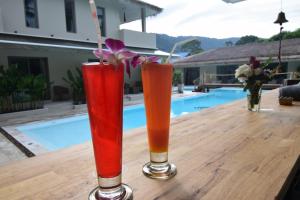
(159, 157)
(110, 188)
(159, 162)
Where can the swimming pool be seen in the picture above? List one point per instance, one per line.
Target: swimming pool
(61, 133)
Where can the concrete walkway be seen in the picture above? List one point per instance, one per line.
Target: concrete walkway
(9, 152)
(54, 110)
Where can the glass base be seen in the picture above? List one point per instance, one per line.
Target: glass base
(161, 171)
(255, 108)
(253, 101)
(124, 192)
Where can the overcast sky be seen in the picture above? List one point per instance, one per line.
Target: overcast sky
(217, 19)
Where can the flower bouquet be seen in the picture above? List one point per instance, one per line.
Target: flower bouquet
(253, 76)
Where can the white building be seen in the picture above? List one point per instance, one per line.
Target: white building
(51, 36)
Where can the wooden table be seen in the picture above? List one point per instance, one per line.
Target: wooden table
(221, 153)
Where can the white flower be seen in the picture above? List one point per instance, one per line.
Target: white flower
(258, 71)
(242, 79)
(243, 71)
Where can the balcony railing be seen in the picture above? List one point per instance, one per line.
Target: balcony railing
(138, 39)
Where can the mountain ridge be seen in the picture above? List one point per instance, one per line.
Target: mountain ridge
(165, 42)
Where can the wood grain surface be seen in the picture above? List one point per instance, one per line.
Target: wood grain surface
(222, 153)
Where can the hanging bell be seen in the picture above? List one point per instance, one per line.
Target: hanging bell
(281, 18)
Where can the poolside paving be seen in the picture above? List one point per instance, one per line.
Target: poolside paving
(9, 152)
(53, 110)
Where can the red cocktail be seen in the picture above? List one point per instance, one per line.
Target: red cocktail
(104, 91)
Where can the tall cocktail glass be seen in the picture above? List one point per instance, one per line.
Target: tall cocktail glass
(157, 87)
(104, 85)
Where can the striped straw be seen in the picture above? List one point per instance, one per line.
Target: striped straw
(178, 44)
(97, 24)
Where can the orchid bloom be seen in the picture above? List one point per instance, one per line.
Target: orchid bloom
(138, 60)
(254, 63)
(116, 53)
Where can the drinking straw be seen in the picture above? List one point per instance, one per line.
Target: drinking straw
(179, 43)
(98, 29)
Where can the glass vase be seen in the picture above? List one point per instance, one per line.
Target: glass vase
(104, 85)
(157, 87)
(253, 100)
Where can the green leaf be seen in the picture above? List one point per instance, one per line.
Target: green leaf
(76, 83)
(267, 63)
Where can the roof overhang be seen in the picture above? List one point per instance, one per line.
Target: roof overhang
(233, 1)
(18, 44)
(239, 61)
(131, 10)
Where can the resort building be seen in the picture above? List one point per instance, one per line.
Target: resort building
(210, 66)
(50, 37)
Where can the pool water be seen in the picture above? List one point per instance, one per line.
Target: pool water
(61, 133)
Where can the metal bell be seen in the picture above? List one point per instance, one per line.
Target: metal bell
(281, 18)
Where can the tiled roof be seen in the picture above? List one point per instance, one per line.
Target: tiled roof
(290, 47)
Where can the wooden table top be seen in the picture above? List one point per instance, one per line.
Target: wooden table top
(222, 153)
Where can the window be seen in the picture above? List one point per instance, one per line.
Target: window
(101, 17)
(228, 71)
(28, 65)
(31, 13)
(70, 16)
(90, 60)
(278, 79)
(191, 74)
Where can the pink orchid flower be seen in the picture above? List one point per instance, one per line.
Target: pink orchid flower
(116, 53)
(254, 63)
(138, 60)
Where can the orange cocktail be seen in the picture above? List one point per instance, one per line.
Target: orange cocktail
(157, 87)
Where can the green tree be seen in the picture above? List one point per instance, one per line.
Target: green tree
(177, 77)
(76, 83)
(34, 86)
(276, 37)
(286, 35)
(192, 47)
(229, 43)
(293, 34)
(19, 91)
(9, 79)
(248, 39)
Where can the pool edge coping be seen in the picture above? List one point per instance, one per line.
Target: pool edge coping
(25, 144)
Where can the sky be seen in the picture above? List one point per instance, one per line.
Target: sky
(217, 19)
